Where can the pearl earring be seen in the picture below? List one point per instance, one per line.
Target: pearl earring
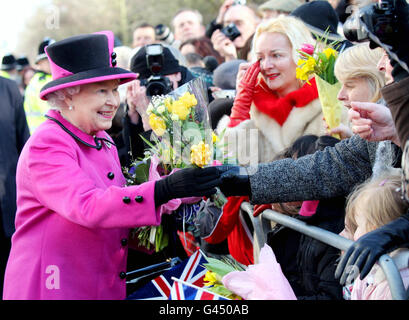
(70, 108)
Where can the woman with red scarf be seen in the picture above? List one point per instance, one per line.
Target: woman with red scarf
(271, 110)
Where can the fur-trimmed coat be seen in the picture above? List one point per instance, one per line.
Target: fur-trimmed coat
(260, 139)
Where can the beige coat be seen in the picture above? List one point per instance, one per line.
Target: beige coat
(260, 139)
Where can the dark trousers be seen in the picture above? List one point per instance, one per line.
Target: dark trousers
(5, 245)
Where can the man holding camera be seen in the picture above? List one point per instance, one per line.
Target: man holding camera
(159, 72)
(232, 29)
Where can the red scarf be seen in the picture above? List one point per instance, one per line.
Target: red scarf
(279, 108)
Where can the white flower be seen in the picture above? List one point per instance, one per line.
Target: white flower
(161, 109)
(175, 117)
(149, 110)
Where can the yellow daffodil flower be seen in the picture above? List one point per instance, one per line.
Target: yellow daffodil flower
(210, 278)
(200, 154)
(330, 52)
(300, 74)
(310, 64)
(157, 124)
(180, 109)
(215, 138)
(168, 104)
(188, 100)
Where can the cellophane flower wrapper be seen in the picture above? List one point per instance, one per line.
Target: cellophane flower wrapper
(332, 108)
(180, 124)
(318, 61)
(182, 138)
(262, 281)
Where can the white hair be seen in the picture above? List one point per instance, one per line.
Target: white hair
(56, 99)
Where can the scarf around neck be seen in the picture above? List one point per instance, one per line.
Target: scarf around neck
(279, 109)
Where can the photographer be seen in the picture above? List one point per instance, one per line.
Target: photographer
(168, 75)
(232, 30)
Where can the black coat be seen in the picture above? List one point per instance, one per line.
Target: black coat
(310, 264)
(14, 133)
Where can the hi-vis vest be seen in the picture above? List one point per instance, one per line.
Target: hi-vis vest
(34, 107)
(4, 74)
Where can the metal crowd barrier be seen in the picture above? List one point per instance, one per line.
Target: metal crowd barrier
(261, 226)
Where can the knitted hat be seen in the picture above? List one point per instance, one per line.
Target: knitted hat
(139, 63)
(280, 5)
(83, 59)
(318, 16)
(224, 76)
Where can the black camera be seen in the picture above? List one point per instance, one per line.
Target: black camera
(156, 84)
(231, 31)
(377, 19)
(163, 33)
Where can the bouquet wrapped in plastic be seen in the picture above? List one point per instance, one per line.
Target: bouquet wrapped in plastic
(319, 61)
(182, 137)
(262, 281)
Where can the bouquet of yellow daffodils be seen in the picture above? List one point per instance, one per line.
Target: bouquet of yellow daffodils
(319, 61)
(182, 137)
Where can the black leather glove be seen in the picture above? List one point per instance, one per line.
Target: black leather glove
(190, 182)
(363, 254)
(235, 181)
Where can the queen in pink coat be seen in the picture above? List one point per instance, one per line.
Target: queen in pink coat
(74, 212)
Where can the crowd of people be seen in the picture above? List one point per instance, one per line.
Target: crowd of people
(77, 117)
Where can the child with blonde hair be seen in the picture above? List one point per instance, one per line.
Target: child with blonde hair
(370, 206)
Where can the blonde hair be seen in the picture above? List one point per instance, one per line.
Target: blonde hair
(379, 201)
(359, 61)
(293, 28)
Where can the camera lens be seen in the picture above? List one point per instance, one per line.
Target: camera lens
(155, 89)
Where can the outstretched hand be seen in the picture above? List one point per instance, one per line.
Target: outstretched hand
(235, 181)
(372, 122)
(363, 253)
(188, 182)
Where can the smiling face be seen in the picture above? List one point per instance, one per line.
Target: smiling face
(355, 89)
(277, 66)
(94, 107)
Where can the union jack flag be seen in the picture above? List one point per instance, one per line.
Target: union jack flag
(191, 270)
(182, 290)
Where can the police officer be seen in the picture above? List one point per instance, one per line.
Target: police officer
(34, 107)
(8, 67)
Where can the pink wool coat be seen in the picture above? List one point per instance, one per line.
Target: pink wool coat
(72, 219)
